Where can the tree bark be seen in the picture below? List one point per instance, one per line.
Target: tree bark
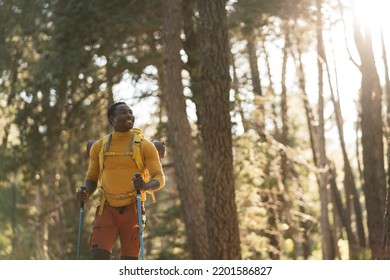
(215, 127)
(190, 189)
(256, 82)
(327, 240)
(386, 231)
(372, 141)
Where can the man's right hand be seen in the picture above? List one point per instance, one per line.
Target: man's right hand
(82, 194)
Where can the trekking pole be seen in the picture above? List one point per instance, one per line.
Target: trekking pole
(141, 235)
(80, 225)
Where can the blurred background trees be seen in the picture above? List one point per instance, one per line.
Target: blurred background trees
(275, 116)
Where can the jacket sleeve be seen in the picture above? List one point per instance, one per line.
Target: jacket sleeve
(93, 168)
(152, 162)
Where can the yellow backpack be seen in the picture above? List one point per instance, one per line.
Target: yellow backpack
(135, 153)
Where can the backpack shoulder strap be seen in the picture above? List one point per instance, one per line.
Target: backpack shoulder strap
(102, 156)
(136, 152)
(104, 148)
(135, 148)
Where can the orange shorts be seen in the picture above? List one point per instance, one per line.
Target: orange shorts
(112, 223)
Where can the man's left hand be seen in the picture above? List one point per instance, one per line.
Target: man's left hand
(139, 183)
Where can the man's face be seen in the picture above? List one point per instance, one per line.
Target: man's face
(122, 119)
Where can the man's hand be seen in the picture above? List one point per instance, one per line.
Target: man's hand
(139, 183)
(82, 194)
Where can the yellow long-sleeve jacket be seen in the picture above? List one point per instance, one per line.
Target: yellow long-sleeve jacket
(119, 169)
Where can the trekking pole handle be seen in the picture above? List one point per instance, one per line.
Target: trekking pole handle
(137, 175)
(83, 188)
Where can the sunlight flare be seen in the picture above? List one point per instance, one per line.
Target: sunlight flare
(372, 14)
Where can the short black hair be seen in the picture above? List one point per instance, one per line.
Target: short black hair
(112, 108)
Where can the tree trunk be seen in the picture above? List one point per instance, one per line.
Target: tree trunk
(272, 233)
(256, 84)
(270, 91)
(237, 98)
(282, 198)
(352, 214)
(308, 112)
(251, 47)
(191, 46)
(283, 104)
(40, 223)
(304, 222)
(372, 141)
(340, 211)
(215, 126)
(386, 231)
(327, 240)
(314, 143)
(190, 190)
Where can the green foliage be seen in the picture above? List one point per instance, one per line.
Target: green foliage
(168, 235)
(263, 200)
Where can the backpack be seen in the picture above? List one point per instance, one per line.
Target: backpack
(135, 152)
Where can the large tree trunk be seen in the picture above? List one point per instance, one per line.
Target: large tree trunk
(215, 126)
(372, 141)
(190, 189)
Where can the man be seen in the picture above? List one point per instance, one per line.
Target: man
(117, 213)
